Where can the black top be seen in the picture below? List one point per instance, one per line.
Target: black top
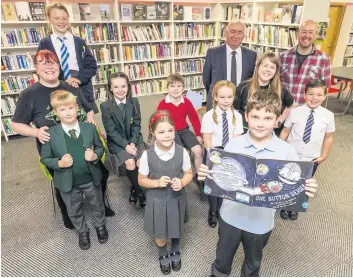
(300, 59)
(34, 106)
(241, 100)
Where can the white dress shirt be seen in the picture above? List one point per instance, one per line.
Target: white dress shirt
(209, 126)
(70, 44)
(168, 100)
(323, 122)
(118, 101)
(239, 60)
(76, 127)
(165, 156)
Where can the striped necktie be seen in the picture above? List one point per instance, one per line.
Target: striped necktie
(72, 133)
(225, 138)
(64, 59)
(308, 127)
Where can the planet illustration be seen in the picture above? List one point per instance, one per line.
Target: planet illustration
(230, 175)
(262, 169)
(274, 186)
(290, 173)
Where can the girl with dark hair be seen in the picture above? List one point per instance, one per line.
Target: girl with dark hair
(121, 118)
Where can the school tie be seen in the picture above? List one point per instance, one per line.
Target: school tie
(64, 59)
(122, 109)
(72, 133)
(308, 127)
(225, 138)
(233, 72)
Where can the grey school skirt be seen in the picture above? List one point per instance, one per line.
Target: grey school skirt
(122, 156)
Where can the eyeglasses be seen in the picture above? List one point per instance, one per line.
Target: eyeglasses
(46, 63)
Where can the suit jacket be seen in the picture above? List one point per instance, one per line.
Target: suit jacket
(86, 62)
(122, 130)
(55, 149)
(215, 68)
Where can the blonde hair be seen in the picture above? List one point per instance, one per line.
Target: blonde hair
(58, 6)
(265, 99)
(275, 82)
(175, 77)
(61, 97)
(217, 86)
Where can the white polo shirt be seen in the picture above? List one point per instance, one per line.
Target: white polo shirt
(323, 122)
(209, 126)
(165, 156)
(70, 44)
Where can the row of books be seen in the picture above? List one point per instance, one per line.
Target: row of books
(188, 66)
(23, 11)
(103, 74)
(151, 32)
(16, 62)
(149, 87)
(8, 105)
(100, 94)
(146, 51)
(106, 54)
(273, 35)
(262, 49)
(348, 62)
(194, 31)
(193, 82)
(7, 126)
(24, 36)
(12, 84)
(239, 12)
(348, 51)
(191, 48)
(101, 32)
(350, 40)
(146, 70)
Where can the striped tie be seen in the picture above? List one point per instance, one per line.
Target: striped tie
(64, 59)
(225, 138)
(308, 127)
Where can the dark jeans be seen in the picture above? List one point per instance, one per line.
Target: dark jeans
(228, 243)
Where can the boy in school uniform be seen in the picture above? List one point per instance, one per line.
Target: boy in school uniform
(78, 65)
(309, 129)
(180, 108)
(241, 223)
(73, 153)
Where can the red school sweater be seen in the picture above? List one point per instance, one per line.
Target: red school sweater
(179, 114)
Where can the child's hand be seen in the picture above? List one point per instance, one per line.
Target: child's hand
(320, 159)
(66, 161)
(203, 173)
(310, 187)
(163, 181)
(199, 138)
(90, 155)
(130, 149)
(177, 184)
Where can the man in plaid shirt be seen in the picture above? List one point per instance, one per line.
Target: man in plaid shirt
(304, 63)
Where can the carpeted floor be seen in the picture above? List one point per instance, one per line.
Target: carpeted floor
(34, 243)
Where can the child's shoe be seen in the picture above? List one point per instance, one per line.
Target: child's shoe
(142, 200)
(284, 214)
(176, 261)
(102, 234)
(132, 198)
(165, 267)
(84, 241)
(109, 212)
(293, 215)
(212, 219)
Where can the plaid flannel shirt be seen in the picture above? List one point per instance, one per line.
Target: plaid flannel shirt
(316, 66)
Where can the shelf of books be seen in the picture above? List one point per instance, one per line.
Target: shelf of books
(348, 54)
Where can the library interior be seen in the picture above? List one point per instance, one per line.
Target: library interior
(125, 61)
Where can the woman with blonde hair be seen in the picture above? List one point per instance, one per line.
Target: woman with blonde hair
(266, 76)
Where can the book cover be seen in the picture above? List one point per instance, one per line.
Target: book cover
(287, 13)
(268, 16)
(37, 10)
(187, 13)
(207, 13)
(277, 15)
(236, 13)
(196, 13)
(178, 12)
(229, 13)
(105, 12)
(246, 12)
(9, 12)
(95, 12)
(22, 10)
(298, 15)
(162, 10)
(151, 11)
(255, 182)
(85, 11)
(126, 12)
(140, 11)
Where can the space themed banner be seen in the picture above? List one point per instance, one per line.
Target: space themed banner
(258, 182)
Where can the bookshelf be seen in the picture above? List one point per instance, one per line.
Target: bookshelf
(148, 50)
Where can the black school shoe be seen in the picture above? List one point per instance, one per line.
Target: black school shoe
(102, 234)
(84, 241)
(284, 214)
(132, 198)
(109, 212)
(176, 266)
(212, 219)
(165, 268)
(142, 201)
(293, 215)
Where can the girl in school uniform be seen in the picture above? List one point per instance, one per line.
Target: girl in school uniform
(165, 170)
(121, 118)
(219, 125)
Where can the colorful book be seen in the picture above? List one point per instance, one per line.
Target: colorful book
(126, 12)
(207, 13)
(277, 15)
(151, 11)
(105, 12)
(178, 12)
(196, 13)
(22, 11)
(85, 11)
(140, 11)
(162, 9)
(9, 12)
(37, 10)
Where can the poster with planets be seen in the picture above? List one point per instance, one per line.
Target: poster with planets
(266, 183)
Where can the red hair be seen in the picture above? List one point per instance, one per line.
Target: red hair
(46, 55)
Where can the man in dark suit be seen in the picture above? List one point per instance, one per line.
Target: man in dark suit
(230, 61)
(78, 65)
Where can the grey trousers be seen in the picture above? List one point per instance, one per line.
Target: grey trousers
(74, 201)
(228, 243)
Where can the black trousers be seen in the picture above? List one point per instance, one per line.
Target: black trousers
(62, 206)
(228, 243)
